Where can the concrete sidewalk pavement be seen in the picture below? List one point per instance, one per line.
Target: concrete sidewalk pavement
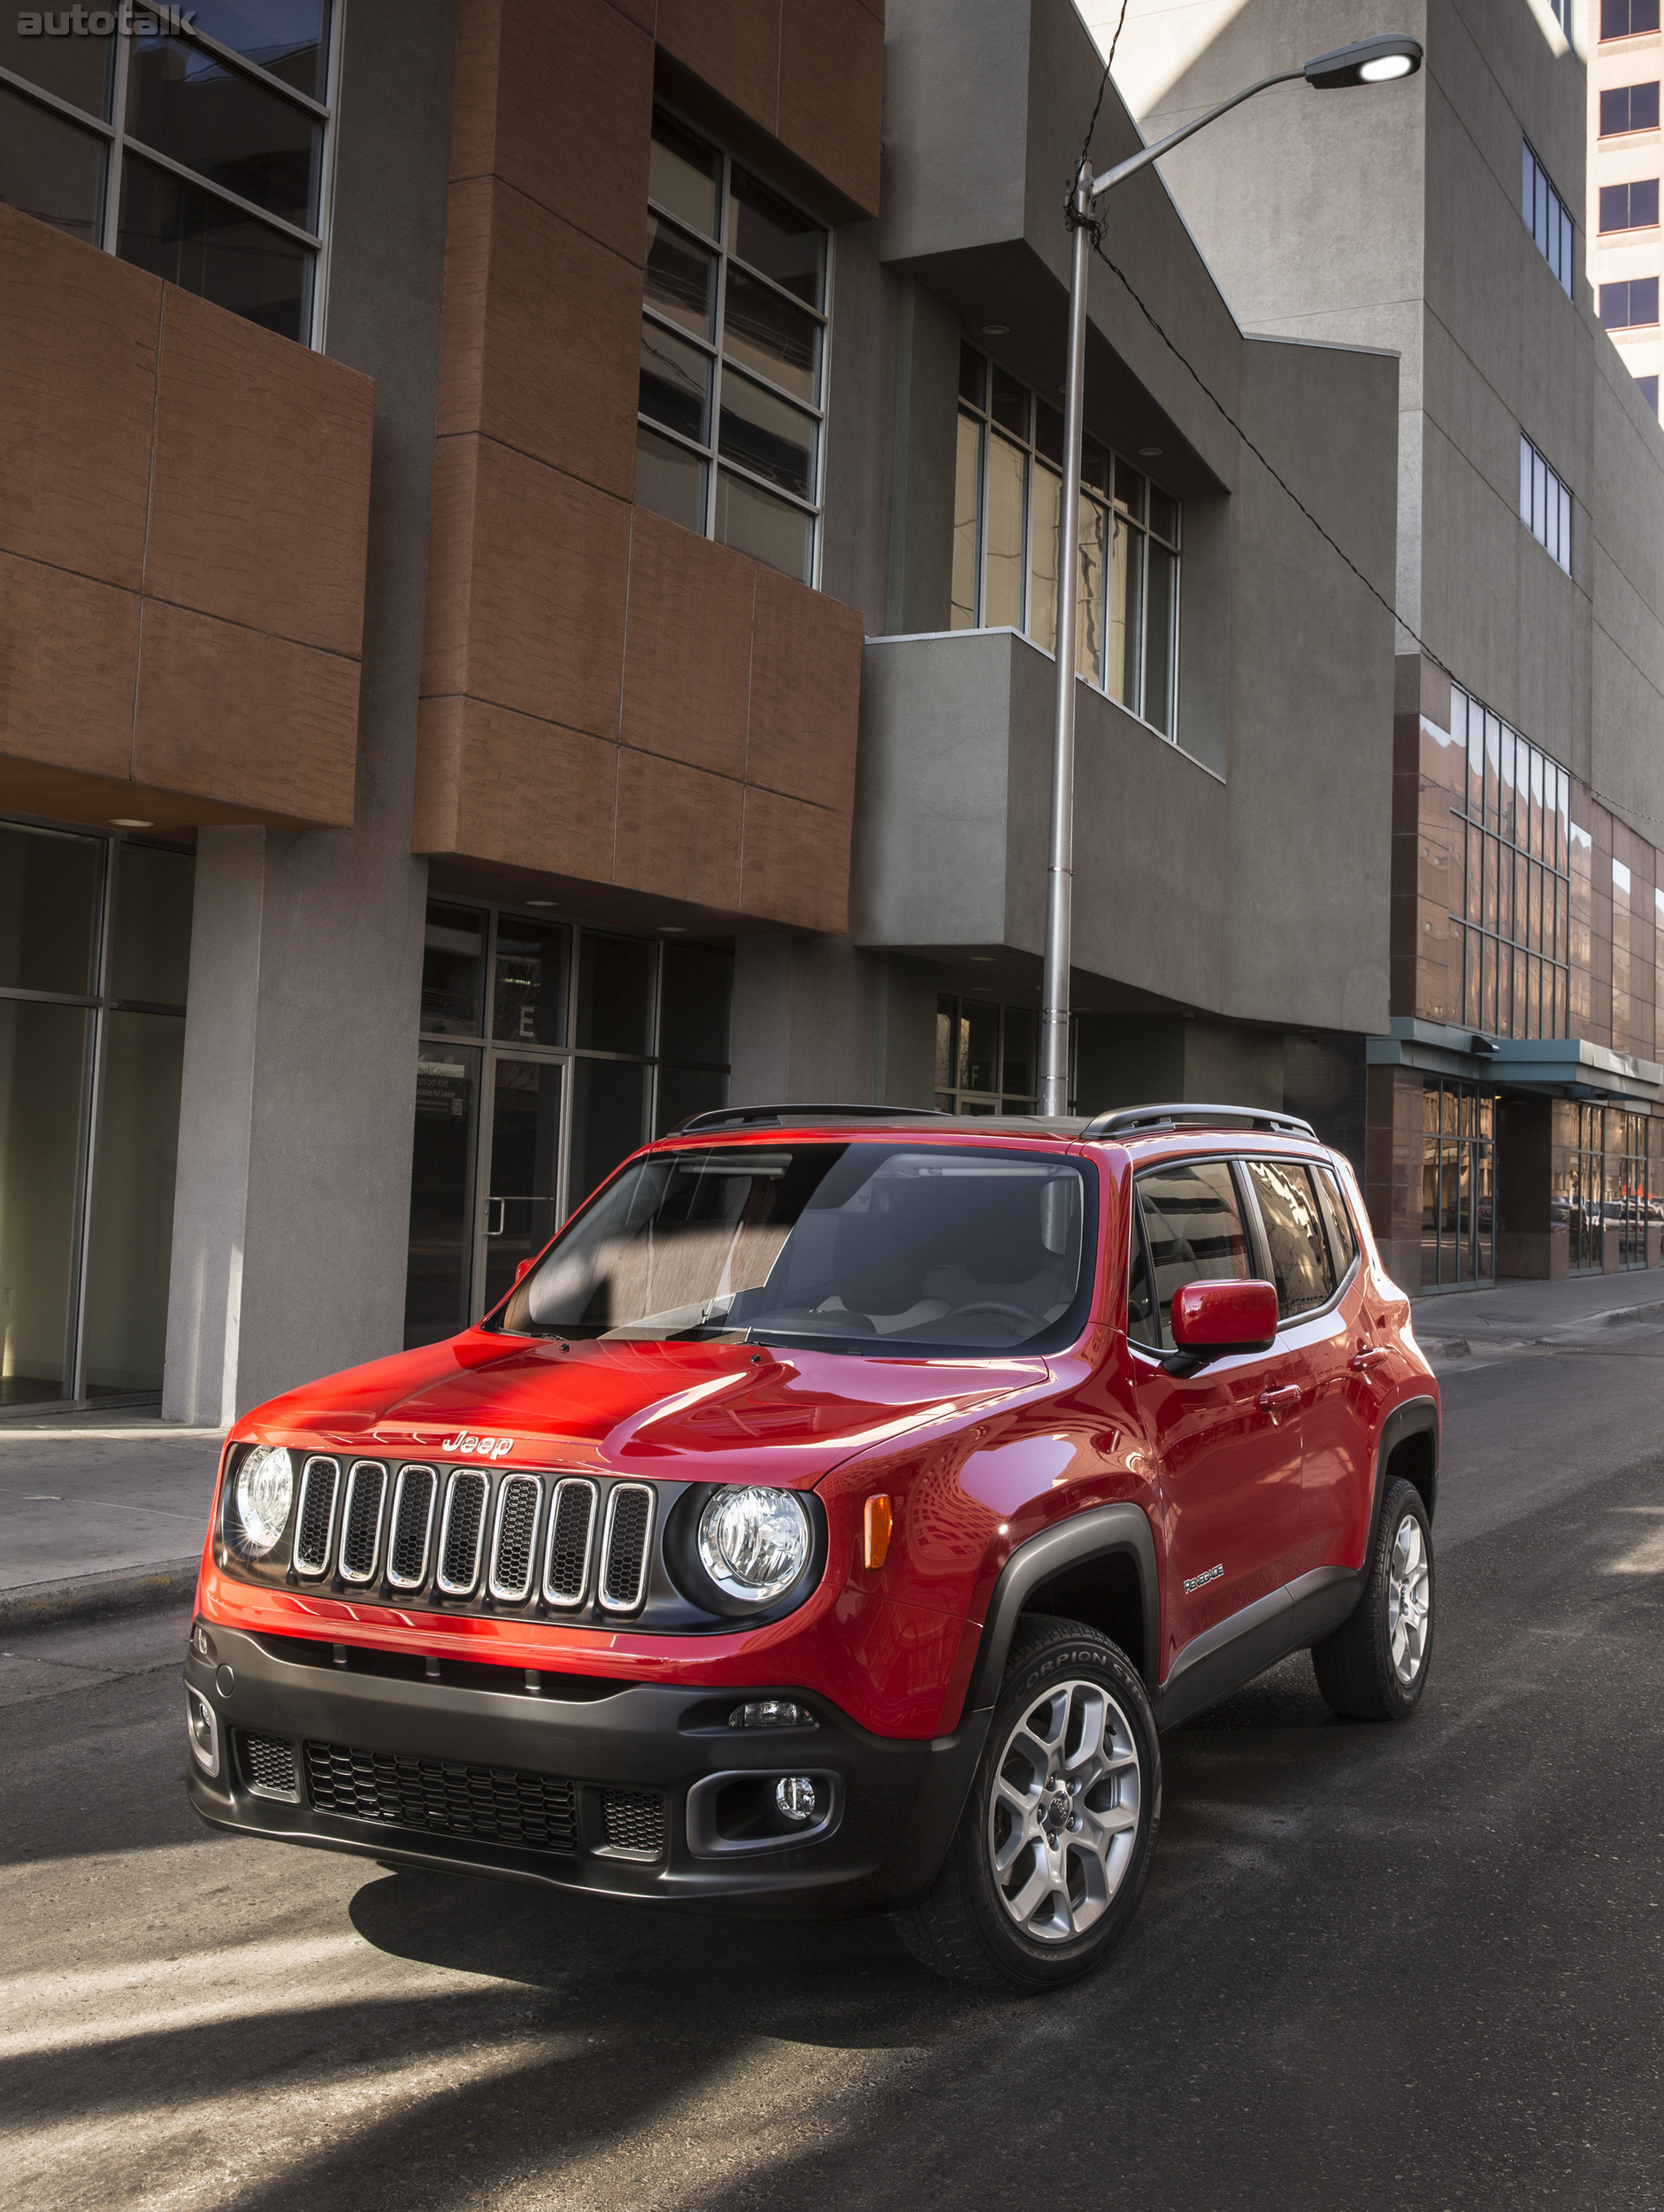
(100, 1513)
(105, 1513)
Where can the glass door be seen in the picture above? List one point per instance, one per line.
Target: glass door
(521, 1166)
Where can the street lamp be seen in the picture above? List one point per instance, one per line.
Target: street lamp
(1367, 61)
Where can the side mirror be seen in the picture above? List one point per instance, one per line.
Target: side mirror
(525, 1268)
(1211, 1319)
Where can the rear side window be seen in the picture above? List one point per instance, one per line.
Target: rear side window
(1194, 1230)
(1300, 1265)
(1345, 1237)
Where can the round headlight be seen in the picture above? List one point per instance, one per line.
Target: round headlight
(265, 1490)
(754, 1543)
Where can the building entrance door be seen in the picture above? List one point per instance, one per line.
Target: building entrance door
(521, 1164)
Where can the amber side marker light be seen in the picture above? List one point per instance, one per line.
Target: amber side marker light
(877, 1548)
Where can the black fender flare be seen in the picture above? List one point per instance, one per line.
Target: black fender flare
(1100, 1532)
(1415, 1417)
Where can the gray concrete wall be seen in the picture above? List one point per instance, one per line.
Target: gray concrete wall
(1395, 218)
(804, 1024)
(296, 1116)
(861, 464)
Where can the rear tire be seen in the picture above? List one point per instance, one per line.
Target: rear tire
(1375, 1665)
(1053, 1847)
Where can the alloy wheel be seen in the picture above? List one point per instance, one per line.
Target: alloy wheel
(1063, 1814)
(1409, 1598)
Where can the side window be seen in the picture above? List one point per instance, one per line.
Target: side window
(1142, 1326)
(1300, 1265)
(1342, 1234)
(1194, 1226)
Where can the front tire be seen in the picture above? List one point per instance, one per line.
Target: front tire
(1054, 1849)
(1375, 1665)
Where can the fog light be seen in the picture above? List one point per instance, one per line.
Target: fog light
(771, 1712)
(794, 1794)
(204, 1731)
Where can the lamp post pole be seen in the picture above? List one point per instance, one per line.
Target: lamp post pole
(1367, 61)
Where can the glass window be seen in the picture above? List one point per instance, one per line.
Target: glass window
(438, 1284)
(1628, 107)
(856, 1247)
(1143, 1323)
(1545, 503)
(1632, 206)
(226, 126)
(43, 1065)
(986, 1056)
(1548, 218)
(696, 995)
(1341, 1233)
(79, 69)
(1194, 1225)
(48, 909)
(132, 1213)
(1007, 494)
(762, 312)
(49, 168)
(152, 952)
(609, 1100)
(452, 969)
(234, 94)
(529, 995)
(615, 994)
(1301, 1267)
(1628, 19)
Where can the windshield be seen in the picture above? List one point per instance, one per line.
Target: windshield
(867, 1248)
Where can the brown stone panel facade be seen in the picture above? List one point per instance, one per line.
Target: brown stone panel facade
(184, 502)
(609, 698)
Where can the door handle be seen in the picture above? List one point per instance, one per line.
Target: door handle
(1371, 1356)
(1279, 1401)
(502, 1218)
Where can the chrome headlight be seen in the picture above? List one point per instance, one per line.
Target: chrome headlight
(755, 1543)
(261, 1501)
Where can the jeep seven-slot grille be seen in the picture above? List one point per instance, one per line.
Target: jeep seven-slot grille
(514, 1543)
(464, 1525)
(534, 1812)
(361, 1520)
(570, 1524)
(320, 1478)
(412, 1527)
(629, 1523)
(268, 1765)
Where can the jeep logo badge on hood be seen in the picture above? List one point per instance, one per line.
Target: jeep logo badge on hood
(483, 1447)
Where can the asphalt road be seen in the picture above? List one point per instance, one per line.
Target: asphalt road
(1414, 1967)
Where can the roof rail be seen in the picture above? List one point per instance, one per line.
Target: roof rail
(1146, 1121)
(766, 1116)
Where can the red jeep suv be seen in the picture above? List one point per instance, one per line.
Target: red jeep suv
(830, 1520)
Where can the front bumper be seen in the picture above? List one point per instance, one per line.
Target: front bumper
(697, 1793)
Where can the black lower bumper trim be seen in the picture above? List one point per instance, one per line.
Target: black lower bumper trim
(587, 1794)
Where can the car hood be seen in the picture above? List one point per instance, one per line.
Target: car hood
(682, 1412)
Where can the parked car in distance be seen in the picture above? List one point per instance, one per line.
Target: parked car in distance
(830, 1520)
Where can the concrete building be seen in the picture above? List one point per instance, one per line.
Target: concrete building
(526, 590)
(1619, 40)
(1514, 1121)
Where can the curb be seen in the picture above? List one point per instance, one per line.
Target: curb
(98, 1597)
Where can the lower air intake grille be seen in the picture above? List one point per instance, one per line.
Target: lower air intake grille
(516, 1536)
(320, 1478)
(464, 1524)
(629, 1520)
(268, 1765)
(635, 1823)
(534, 1812)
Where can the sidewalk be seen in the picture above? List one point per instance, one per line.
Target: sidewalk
(1450, 1326)
(105, 1513)
(99, 1514)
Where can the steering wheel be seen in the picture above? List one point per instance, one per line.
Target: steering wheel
(1031, 1321)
